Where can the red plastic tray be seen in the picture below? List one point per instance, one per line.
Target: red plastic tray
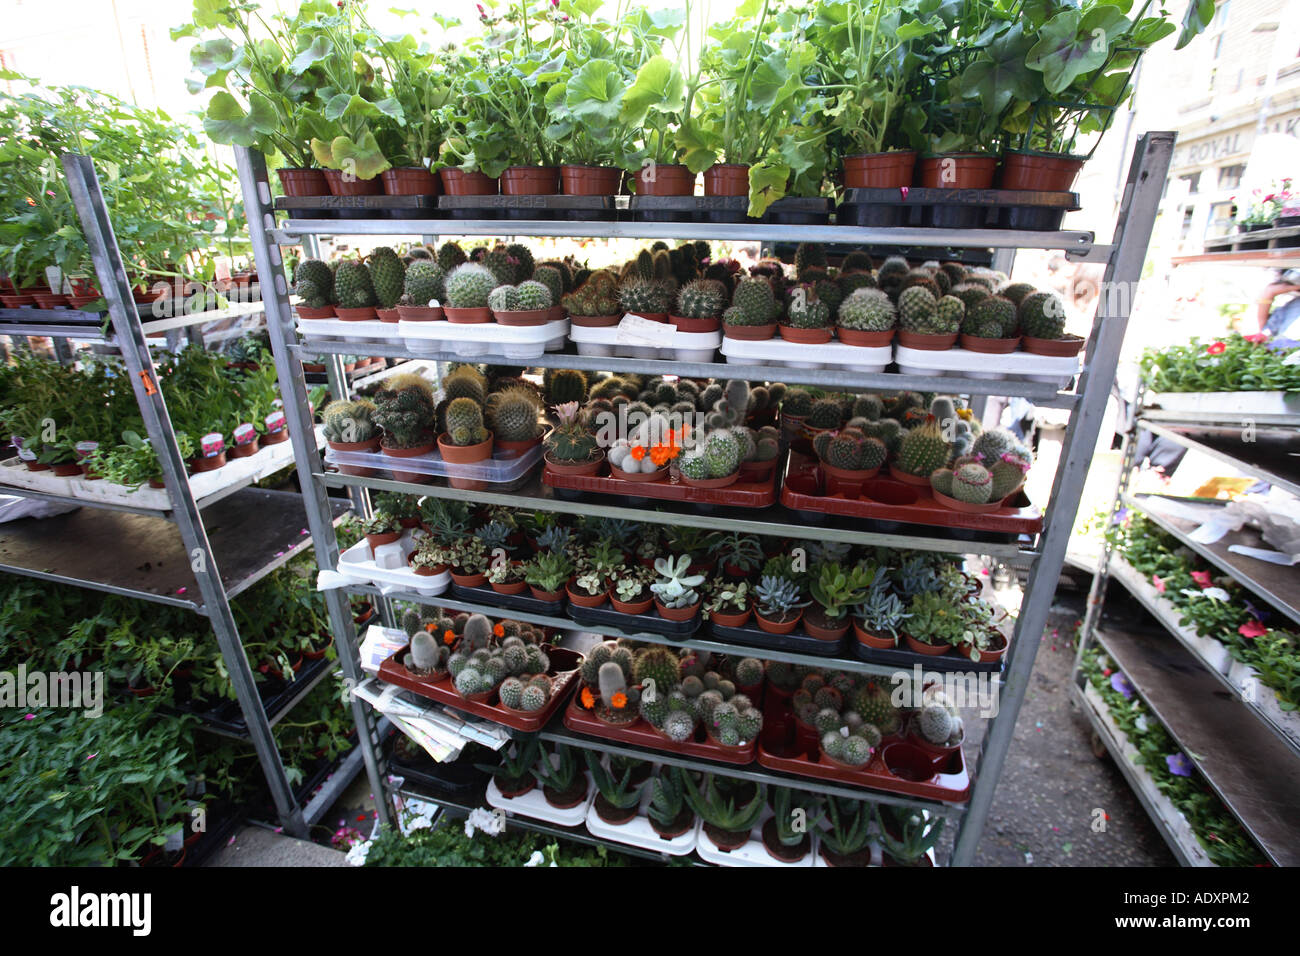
(444, 691)
(803, 486)
(948, 779)
(743, 494)
(642, 734)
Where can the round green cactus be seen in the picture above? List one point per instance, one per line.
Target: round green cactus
(1042, 315)
(972, 483)
(469, 285)
(465, 422)
(868, 310)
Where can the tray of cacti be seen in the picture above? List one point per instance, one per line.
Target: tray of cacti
(651, 698)
(848, 729)
(500, 672)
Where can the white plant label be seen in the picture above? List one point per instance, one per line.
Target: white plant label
(637, 330)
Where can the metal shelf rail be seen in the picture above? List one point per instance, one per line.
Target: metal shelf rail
(1247, 739)
(1123, 258)
(165, 557)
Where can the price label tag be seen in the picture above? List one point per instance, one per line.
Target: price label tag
(636, 330)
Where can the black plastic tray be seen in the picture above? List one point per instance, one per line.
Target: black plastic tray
(791, 210)
(228, 717)
(924, 207)
(796, 642)
(634, 623)
(359, 207)
(573, 208)
(511, 602)
(456, 778)
(902, 657)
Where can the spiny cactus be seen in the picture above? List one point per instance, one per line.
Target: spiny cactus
(1007, 474)
(809, 255)
(994, 315)
(564, 385)
(353, 286)
(1016, 291)
(868, 310)
(387, 276)
(941, 481)
(850, 449)
(465, 381)
(424, 283)
(797, 403)
(924, 449)
(450, 255)
(970, 293)
(645, 296)
(972, 483)
(550, 277)
(314, 281)
(950, 312)
(807, 311)
(701, 299)
(465, 422)
(350, 421)
(721, 454)
(469, 285)
(404, 408)
(513, 414)
(935, 723)
(825, 413)
(918, 312)
(1042, 315)
(755, 301)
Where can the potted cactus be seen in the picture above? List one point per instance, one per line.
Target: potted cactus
(867, 318)
(388, 279)
(808, 317)
(753, 312)
(922, 451)
(571, 448)
(674, 589)
(849, 458)
(355, 292)
(425, 656)
(936, 727)
(1042, 324)
(729, 810)
(350, 426)
(595, 303)
(467, 289)
(466, 440)
(733, 722)
(422, 292)
(647, 297)
(404, 408)
(514, 416)
(991, 326)
(714, 462)
(313, 283)
(699, 306)
(928, 322)
(617, 797)
(528, 303)
(619, 704)
(777, 604)
(669, 813)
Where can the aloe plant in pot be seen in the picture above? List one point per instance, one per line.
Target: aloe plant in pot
(730, 809)
(670, 814)
(617, 796)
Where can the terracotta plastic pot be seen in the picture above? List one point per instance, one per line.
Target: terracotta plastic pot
(414, 477)
(67, 470)
(732, 619)
(556, 314)
(863, 339)
(879, 170)
(582, 599)
(467, 316)
(594, 321)
(958, 171)
(1040, 172)
(245, 450)
(341, 185)
(516, 789)
(846, 481)
(1059, 347)
(578, 469)
(631, 607)
(750, 333)
(684, 821)
(916, 481)
(612, 815)
(420, 313)
(676, 613)
(365, 314)
(410, 181)
(303, 182)
(516, 449)
(757, 470)
(530, 181)
(382, 538)
(510, 587)
(726, 840)
(427, 572)
(315, 312)
(999, 648)
(684, 324)
(639, 476)
(464, 454)
(391, 316)
(477, 579)
(197, 465)
(978, 343)
(523, 317)
(926, 342)
(664, 179)
(868, 639)
(710, 482)
(966, 507)
(777, 627)
(806, 336)
(458, 182)
(726, 179)
(548, 596)
(50, 300)
(591, 180)
(369, 445)
(818, 625)
(274, 438)
(921, 647)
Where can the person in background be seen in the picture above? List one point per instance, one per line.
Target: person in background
(1277, 320)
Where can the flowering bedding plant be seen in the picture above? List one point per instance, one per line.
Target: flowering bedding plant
(1235, 363)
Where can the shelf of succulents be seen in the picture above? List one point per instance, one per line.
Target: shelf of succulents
(172, 514)
(1214, 670)
(801, 472)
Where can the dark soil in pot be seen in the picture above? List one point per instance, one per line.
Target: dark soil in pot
(726, 840)
(612, 814)
(779, 851)
(683, 822)
(576, 793)
(861, 858)
(511, 787)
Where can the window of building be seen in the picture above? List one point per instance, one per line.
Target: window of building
(1230, 176)
(1221, 15)
(1186, 230)
(1193, 181)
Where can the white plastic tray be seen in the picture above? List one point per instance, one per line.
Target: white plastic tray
(802, 355)
(336, 330)
(638, 832)
(387, 565)
(482, 338)
(677, 347)
(266, 461)
(1054, 370)
(494, 470)
(533, 804)
(752, 853)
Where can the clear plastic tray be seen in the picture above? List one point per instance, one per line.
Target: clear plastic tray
(482, 338)
(497, 471)
(803, 355)
(677, 347)
(387, 565)
(1052, 369)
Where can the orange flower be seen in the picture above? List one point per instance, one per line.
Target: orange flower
(618, 701)
(637, 452)
(499, 631)
(448, 637)
(588, 698)
(430, 626)
(660, 454)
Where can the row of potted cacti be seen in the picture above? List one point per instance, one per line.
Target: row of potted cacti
(85, 420)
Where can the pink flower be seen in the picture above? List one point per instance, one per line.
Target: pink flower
(1202, 578)
(1256, 339)
(1158, 582)
(1216, 348)
(1252, 629)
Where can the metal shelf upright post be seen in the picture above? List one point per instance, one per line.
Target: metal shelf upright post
(1123, 258)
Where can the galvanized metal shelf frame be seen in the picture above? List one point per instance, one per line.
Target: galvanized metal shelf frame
(1123, 257)
(129, 337)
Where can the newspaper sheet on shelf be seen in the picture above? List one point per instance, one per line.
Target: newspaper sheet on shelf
(441, 731)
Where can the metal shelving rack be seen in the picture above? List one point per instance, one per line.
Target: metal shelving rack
(1123, 257)
(166, 556)
(1245, 746)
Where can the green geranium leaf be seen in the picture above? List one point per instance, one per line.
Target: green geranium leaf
(767, 181)
(595, 93)
(1073, 44)
(317, 50)
(229, 124)
(998, 76)
(216, 56)
(1195, 20)
(659, 86)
